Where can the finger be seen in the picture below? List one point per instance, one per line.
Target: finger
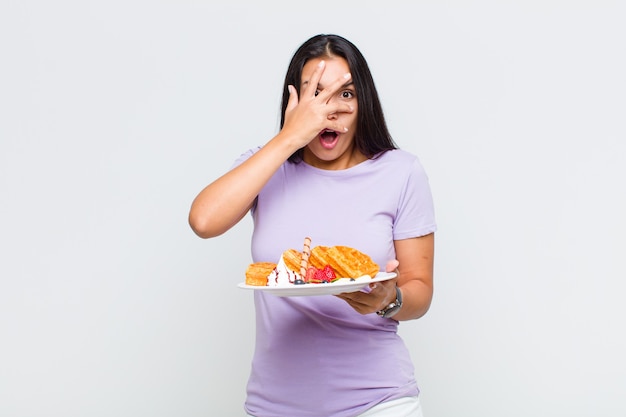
(293, 98)
(392, 265)
(359, 306)
(333, 88)
(311, 87)
(351, 297)
(339, 108)
(368, 289)
(333, 123)
(356, 298)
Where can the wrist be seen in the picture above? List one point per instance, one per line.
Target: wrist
(393, 307)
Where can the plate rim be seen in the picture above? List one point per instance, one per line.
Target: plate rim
(288, 290)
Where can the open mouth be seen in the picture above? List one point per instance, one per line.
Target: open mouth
(328, 138)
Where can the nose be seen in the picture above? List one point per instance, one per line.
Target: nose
(332, 116)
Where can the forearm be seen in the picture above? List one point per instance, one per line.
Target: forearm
(224, 202)
(415, 275)
(416, 300)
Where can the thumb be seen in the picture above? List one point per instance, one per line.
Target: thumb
(392, 265)
(293, 98)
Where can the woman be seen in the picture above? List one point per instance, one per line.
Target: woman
(332, 173)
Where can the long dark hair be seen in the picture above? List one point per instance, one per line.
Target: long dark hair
(372, 136)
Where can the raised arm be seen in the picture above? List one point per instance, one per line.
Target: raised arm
(224, 202)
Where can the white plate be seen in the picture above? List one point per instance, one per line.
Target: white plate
(320, 289)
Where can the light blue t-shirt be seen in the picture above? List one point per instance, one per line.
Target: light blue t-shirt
(316, 356)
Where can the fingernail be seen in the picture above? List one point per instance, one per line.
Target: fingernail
(346, 75)
(321, 63)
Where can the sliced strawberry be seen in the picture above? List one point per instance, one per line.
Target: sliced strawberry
(319, 276)
(310, 274)
(329, 273)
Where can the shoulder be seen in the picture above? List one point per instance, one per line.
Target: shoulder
(398, 155)
(400, 160)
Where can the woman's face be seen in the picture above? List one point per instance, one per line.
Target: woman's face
(331, 149)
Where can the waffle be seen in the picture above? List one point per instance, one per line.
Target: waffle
(257, 273)
(293, 259)
(347, 262)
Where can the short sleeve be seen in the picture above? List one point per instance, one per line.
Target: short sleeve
(416, 213)
(244, 156)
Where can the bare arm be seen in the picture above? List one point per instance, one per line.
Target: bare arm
(415, 276)
(415, 258)
(224, 202)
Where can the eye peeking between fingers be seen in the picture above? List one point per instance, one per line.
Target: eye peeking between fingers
(346, 94)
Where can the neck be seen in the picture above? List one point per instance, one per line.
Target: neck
(345, 161)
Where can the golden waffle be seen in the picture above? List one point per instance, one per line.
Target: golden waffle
(292, 259)
(318, 257)
(346, 261)
(257, 273)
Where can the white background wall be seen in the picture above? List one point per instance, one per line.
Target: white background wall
(113, 115)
